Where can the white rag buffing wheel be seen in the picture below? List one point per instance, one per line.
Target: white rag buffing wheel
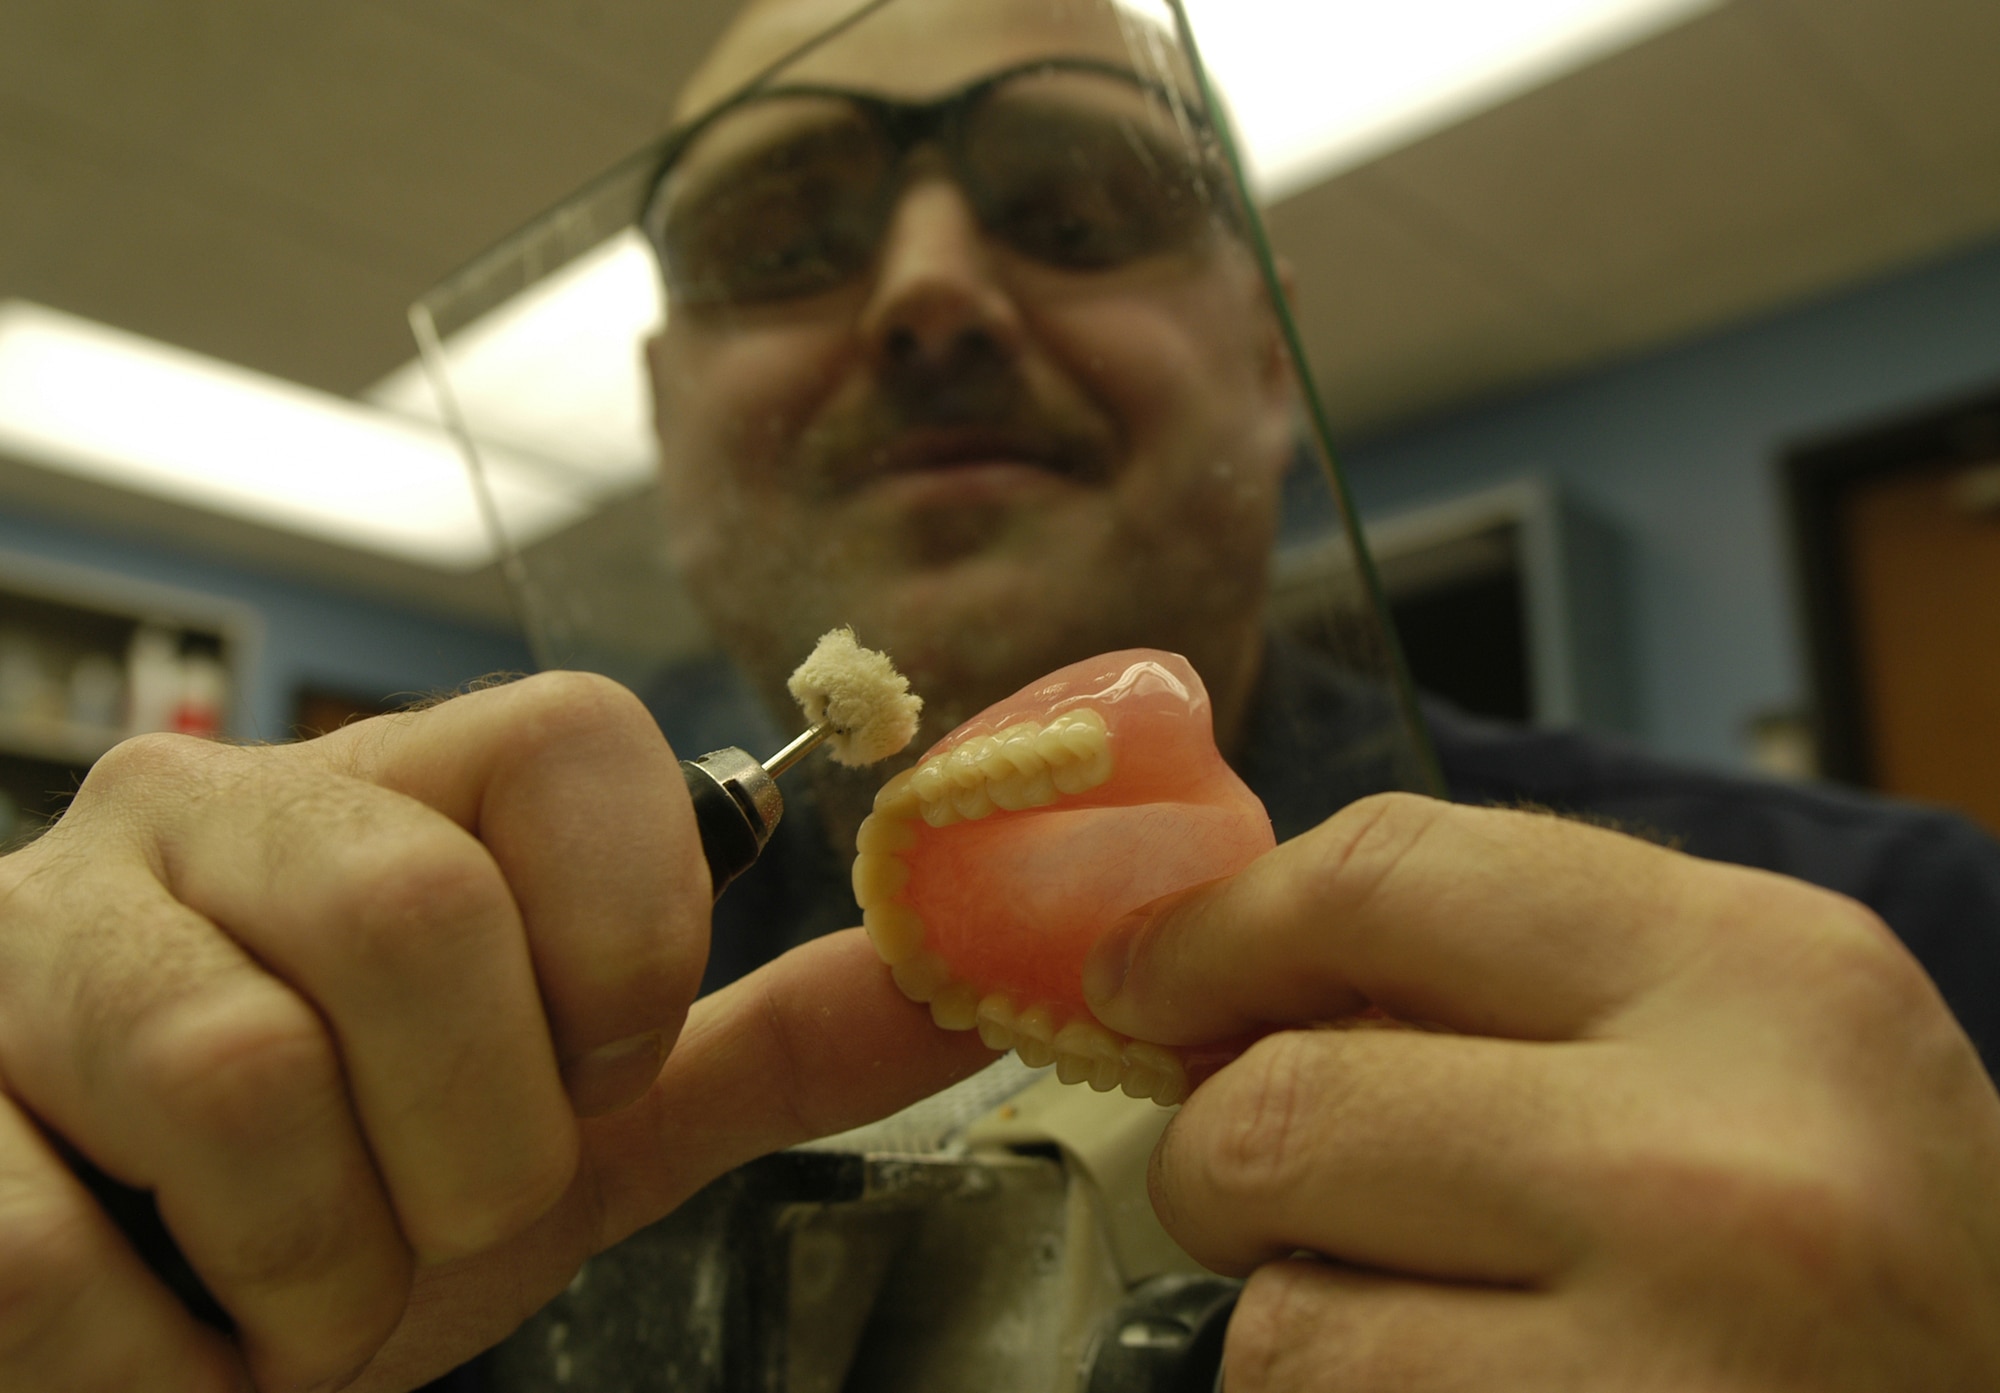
(857, 693)
(858, 705)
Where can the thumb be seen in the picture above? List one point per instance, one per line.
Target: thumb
(1482, 920)
(812, 1044)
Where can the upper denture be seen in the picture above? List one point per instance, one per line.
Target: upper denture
(987, 871)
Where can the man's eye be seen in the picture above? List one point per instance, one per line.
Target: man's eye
(1069, 223)
(786, 267)
(767, 239)
(1061, 236)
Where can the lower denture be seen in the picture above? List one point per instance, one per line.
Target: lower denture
(986, 872)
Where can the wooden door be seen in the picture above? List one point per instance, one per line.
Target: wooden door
(1923, 566)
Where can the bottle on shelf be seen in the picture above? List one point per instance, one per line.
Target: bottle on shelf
(204, 690)
(152, 679)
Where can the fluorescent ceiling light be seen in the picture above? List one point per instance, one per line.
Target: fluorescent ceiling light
(1318, 86)
(127, 411)
(557, 371)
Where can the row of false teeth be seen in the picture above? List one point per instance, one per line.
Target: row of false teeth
(1024, 766)
(1082, 1051)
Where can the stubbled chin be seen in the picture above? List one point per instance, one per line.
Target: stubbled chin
(970, 602)
(968, 633)
(994, 587)
(992, 563)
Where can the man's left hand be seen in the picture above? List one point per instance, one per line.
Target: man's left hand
(1672, 1123)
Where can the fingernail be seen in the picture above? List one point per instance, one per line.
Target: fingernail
(610, 1077)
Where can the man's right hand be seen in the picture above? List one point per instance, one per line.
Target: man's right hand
(369, 1016)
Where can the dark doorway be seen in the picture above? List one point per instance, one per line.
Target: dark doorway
(1465, 639)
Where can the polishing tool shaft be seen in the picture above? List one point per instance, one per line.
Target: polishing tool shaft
(808, 740)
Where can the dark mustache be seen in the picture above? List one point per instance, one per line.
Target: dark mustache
(958, 408)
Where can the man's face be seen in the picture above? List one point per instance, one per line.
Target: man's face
(988, 462)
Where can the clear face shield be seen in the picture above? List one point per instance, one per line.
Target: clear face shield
(949, 321)
(955, 329)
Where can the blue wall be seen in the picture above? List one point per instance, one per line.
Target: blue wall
(308, 635)
(1678, 450)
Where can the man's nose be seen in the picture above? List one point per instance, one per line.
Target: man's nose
(937, 290)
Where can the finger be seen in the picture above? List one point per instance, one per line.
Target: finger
(814, 1043)
(77, 1309)
(1304, 1326)
(567, 781)
(182, 1069)
(401, 930)
(1484, 920)
(1436, 1155)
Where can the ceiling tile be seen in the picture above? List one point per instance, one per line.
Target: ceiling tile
(130, 69)
(641, 51)
(50, 179)
(1697, 142)
(403, 135)
(1769, 266)
(1392, 314)
(1928, 66)
(154, 260)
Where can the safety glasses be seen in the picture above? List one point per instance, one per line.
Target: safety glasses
(786, 192)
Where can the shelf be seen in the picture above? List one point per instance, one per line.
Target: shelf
(55, 741)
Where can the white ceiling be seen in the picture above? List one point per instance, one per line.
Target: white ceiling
(272, 181)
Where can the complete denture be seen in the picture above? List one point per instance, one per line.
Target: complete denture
(986, 872)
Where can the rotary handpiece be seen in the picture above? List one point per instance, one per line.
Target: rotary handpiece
(859, 706)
